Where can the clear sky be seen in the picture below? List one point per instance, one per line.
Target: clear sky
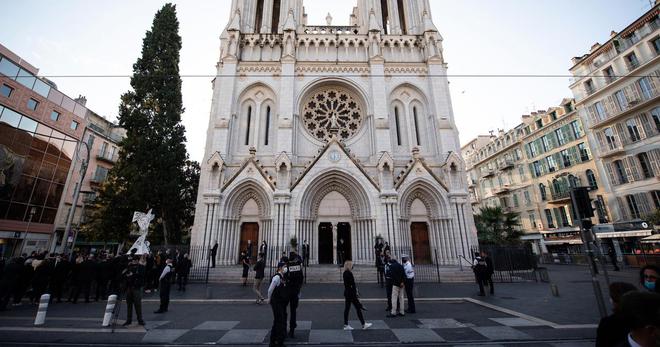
(92, 38)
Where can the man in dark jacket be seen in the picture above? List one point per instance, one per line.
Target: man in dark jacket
(182, 271)
(103, 273)
(294, 280)
(388, 281)
(259, 268)
(398, 288)
(277, 297)
(214, 252)
(61, 268)
(133, 278)
(9, 281)
(490, 270)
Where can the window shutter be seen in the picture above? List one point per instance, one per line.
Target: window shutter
(643, 204)
(627, 169)
(592, 114)
(654, 160)
(609, 167)
(623, 207)
(602, 142)
(621, 135)
(643, 119)
(633, 163)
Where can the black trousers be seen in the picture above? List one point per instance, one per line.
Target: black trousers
(347, 307)
(410, 283)
(489, 282)
(57, 287)
(134, 298)
(182, 281)
(164, 292)
(388, 290)
(293, 308)
(212, 260)
(101, 290)
(278, 331)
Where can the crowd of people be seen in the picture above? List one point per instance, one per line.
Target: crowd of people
(85, 276)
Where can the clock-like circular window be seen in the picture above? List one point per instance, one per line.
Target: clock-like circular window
(332, 107)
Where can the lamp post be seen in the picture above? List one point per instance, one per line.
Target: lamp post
(33, 210)
(76, 192)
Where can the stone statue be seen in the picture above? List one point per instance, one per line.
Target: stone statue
(328, 19)
(143, 220)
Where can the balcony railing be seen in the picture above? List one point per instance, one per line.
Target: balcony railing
(634, 95)
(331, 30)
(489, 173)
(105, 156)
(507, 164)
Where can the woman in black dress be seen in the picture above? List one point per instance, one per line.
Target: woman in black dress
(351, 297)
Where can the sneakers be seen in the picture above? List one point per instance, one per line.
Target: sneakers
(348, 327)
(367, 326)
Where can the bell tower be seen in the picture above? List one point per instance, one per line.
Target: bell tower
(266, 16)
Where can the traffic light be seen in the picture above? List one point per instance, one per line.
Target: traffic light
(582, 202)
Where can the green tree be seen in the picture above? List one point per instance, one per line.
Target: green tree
(150, 172)
(654, 218)
(494, 226)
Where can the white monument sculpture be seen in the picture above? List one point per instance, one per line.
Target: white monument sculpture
(143, 220)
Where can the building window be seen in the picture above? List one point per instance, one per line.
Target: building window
(620, 172)
(275, 20)
(532, 219)
(397, 125)
(656, 45)
(537, 169)
(591, 178)
(544, 194)
(655, 195)
(566, 158)
(600, 110)
(645, 164)
(621, 100)
(74, 125)
(32, 104)
(539, 123)
(402, 17)
(645, 86)
(609, 137)
(521, 172)
(546, 144)
(552, 165)
(553, 116)
(419, 141)
(632, 130)
(577, 129)
(6, 90)
(55, 115)
(258, 16)
(515, 201)
(100, 175)
(266, 130)
(655, 114)
(632, 61)
(385, 16)
(247, 130)
(548, 217)
(632, 206)
(528, 199)
(609, 74)
(588, 87)
(563, 216)
(561, 140)
(584, 152)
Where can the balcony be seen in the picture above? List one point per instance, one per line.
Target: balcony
(501, 190)
(97, 179)
(634, 95)
(508, 164)
(107, 157)
(560, 197)
(489, 173)
(608, 151)
(331, 30)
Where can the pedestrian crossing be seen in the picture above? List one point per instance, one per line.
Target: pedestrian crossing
(397, 330)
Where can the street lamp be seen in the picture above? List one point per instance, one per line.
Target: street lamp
(76, 192)
(33, 210)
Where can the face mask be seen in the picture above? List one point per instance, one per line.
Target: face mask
(286, 269)
(649, 285)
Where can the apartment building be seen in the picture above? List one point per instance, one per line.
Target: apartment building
(101, 138)
(616, 93)
(530, 169)
(39, 129)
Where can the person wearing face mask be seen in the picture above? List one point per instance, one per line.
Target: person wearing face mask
(648, 278)
(641, 311)
(613, 329)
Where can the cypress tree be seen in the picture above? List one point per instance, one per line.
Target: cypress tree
(150, 170)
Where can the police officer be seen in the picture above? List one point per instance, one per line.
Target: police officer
(295, 278)
(388, 281)
(277, 297)
(133, 277)
(480, 270)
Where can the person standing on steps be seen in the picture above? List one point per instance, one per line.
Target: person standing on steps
(351, 297)
(398, 287)
(259, 268)
(490, 270)
(214, 252)
(277, 297)
(263, 249)
(165, 285)
(294, 280)
(409, 282)
(133, 277)
(305, 253)
(245, 261)
(248, 251)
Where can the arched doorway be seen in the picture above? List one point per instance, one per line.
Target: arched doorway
(419, 233)
(334, 232)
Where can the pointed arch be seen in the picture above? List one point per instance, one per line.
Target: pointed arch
(338, 181)
(434, 200)
(247, 190)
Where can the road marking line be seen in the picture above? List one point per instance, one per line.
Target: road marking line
(74, 330)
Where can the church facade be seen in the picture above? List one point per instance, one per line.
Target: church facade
(334, 135)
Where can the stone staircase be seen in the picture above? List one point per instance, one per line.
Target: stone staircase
(332, 274)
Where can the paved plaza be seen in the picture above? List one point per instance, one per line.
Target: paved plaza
(447, 314)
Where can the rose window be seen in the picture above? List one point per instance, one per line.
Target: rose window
(332, 107)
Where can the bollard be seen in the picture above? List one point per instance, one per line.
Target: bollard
(109, 310)
(40, 319)
(554, 289)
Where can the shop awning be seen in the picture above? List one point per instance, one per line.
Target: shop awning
(617, 234)
(651, 239)
(562, 242)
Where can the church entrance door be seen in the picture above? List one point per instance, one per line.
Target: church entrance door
(325, 243)
(344, 251)
(419, 233)
(249, 231)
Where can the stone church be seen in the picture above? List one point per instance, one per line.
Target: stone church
(334, 135)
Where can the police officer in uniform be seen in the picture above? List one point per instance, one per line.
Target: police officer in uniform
(278, 297)
(294, 279)
(388, 281)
